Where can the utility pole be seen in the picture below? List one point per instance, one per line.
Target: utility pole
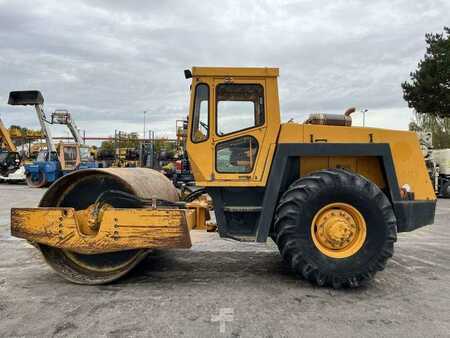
(364, 111)
(145, 112)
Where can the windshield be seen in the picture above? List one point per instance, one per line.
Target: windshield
(3, 156)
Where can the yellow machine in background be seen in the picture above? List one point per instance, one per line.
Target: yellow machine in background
(10, 161)
(5, 139)
(331, 196)
(127, 158)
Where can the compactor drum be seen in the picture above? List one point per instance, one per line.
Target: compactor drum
(333, 197)
(86, 195)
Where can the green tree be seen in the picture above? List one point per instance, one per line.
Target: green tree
(439, 127)
(428, 90)
(20, 134)
(107, 146)
(164, 144)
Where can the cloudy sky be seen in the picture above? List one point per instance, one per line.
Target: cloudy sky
(108, 61)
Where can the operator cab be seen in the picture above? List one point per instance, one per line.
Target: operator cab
(234, 123)
(233, 117)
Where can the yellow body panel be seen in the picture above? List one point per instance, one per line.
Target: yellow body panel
(119, 229)
(406, 155)
(368, 167)
(235, 71)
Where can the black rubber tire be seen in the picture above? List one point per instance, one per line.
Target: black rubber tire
(194, 194)
(446, 190)
(42, 182)
(297, 208)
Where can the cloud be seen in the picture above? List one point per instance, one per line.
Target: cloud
(108, 61)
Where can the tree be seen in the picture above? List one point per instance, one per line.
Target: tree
(428, 91)
(107, 146)
(123, 140)
(439, 127)
(21, 135)
(164, 144)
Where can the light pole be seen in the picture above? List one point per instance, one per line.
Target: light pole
(145, 112)
(364, 111)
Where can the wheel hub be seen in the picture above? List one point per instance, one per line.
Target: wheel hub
(338, 230)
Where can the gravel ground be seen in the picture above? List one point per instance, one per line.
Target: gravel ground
(188, 292)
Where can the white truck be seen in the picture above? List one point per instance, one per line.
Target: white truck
(438, 164)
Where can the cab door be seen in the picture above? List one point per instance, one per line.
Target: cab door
(240, 126)
(199, 146)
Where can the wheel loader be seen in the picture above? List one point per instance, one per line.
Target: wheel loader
(331, 196)
(56, 160)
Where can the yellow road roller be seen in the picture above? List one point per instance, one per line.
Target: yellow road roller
(331, 196)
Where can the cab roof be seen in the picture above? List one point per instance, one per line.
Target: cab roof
(235, 71)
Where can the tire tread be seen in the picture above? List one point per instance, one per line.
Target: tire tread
(297, 196)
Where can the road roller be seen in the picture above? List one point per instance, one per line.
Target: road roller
(332, 196)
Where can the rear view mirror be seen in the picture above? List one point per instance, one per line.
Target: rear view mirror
(25, 97)
(187, 74)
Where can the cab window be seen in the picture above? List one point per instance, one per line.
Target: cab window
(237, 155)
(200, 116)
(239, 107)
(85, 154)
